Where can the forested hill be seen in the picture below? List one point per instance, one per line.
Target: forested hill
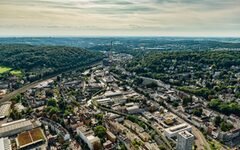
(45, 59)
(212, 75)
(165, 64)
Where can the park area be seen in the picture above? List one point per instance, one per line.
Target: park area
(4, 69)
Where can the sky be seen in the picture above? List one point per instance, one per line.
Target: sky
(120, 18)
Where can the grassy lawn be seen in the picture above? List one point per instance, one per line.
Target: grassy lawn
(16, 72)
(12, 72)
(4, 69)
(215, 145)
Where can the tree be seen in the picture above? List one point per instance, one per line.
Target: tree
(137, 143)
(152, 85)
(62, 105)
(54, 117)
(51, 102)
(54, 110)
(197, 112)
(17, 98)
(214, 103)
(225, 126)
(36, 59)
(49, 93)
(15, 115)
(132, 118)
(99, 116)
(66, 113)
(50, 110)
(162, 147)
(217, 121)
(122, 147)
(175, 104)
(100, 131)
(28, 111)
(187, 100)
(225, 108)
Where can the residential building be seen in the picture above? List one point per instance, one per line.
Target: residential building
(144, 136)
(111, 136)
(173, 131)
(108, 145)
(3, 92)
(87, 135)
(151, 146)
(56, 127)
(185, 140)
(133, 109)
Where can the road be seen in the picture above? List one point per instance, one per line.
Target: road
(200, 140)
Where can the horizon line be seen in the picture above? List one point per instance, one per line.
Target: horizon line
(113, 36)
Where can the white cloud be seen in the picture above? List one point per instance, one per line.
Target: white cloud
(120, 17)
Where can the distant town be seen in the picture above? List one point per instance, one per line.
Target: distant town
(107, 107)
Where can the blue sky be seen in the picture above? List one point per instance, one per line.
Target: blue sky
(120, 17)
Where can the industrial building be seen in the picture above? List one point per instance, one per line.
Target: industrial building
(4, 110)
(30, 138)
(15, 127)
(133, 109)
(5, 144)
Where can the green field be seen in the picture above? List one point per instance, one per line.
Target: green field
(16, 72)
(12, 72)
(4, 69)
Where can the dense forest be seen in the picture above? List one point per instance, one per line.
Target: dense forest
(157, 63)
(45, 59)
